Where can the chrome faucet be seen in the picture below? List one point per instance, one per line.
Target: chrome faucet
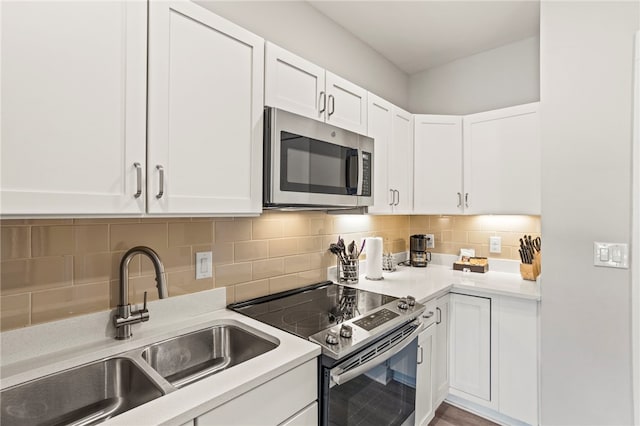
(124, 316)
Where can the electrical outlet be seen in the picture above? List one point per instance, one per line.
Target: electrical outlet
(431, 241)
(204, 265)
(495, 244)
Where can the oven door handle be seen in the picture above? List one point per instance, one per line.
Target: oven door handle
(340, 377)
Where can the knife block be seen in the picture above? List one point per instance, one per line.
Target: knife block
(530, 271)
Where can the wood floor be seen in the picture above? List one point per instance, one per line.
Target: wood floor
(448, 415)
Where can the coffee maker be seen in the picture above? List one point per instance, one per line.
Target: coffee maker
(418, 255)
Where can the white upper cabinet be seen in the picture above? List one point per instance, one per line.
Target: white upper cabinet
(502, 161)
(392, 131)
(294, 84)
(401, 161)
(438, 164)
(380, 117)
(205, 113)
(73, 107)
(301, 87)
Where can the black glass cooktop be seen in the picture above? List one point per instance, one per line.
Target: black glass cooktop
(311, 309)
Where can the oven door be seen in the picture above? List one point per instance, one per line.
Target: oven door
(315, 164)
(377, 386)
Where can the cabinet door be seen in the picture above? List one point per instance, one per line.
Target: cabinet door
(294, 84)
(380, 118)
(471, 345)
(518, 354)
(73, 107)
(502, 161)
(346, 104)
(401, 161)
(424, 376)
(437, 164)
(205, 113)
(441, 371)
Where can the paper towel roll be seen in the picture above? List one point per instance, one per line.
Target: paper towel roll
(374, 258)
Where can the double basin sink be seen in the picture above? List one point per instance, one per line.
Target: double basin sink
(98, 391)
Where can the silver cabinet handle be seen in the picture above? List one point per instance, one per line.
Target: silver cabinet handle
(421, 356)
(466, 199)
(398, 202)
(161, 171)
(393, 196)
(459, 199)
(439, 317)
(332, 104)
(138, 180)
(323, 98)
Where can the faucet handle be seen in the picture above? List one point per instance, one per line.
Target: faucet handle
(144, 306)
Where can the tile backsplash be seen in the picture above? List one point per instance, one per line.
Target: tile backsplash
(53, 269)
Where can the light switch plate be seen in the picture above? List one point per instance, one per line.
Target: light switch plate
(611, 255)
(431, 241)
(204, 265)
(495, 244)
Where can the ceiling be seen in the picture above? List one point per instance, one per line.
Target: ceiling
(417, 35)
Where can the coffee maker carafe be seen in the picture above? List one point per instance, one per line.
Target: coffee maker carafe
(419, 256)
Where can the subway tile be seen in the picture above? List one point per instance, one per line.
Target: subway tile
(266, 229)
(316, 260)
(456, 236)
(20, 276)
(185, 282)
(12, 222)
(190, 233)
(419, 222)
(125, 236)
(297, 263)
(16, 242)
(137, 287)
(283, 247)
(295, 225)
(91, 238)
(222, 253)
(312, 277)
(230, 294)
(173, 259)
(93, 268)
(251, 290)
(250, 250)
(479, 237)
(51, 240)
(108, 221)
(283, 283)
(48, 222)
(232, 274)
(320, 225)
(309, 244)
(51, 305)
(15, 311)
(237, 230)
(343, 224)
(268, 268)
(510, 238)
(440, 223)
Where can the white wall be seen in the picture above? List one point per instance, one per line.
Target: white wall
(497, 78)
(301, 29)
(586, 118)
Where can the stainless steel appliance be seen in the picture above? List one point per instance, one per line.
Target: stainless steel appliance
(368, 365)
(310, 164)
(418, 254)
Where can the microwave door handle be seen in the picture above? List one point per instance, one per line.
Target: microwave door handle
(338, 377)
(360, 172)
(353, 172)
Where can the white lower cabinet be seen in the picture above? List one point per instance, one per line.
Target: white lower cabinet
(441, 371)
(278, 401)
(494, 357)
(470, 359)
(425, 408)
(306, 417)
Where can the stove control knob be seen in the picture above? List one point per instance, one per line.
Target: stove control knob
(402, 304)
(411, 301)
(346, 331)
(332, 339)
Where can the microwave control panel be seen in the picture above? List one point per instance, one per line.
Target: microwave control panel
(366, 174)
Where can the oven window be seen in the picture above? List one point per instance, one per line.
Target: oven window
(310, 165)
(384, 395)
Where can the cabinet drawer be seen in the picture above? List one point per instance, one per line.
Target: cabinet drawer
(270, 403)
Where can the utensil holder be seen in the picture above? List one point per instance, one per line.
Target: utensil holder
(348, 272)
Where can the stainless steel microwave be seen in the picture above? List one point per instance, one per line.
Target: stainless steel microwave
(309, 164)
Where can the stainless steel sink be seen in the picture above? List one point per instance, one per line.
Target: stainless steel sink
(185, 359)
(81, 396)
